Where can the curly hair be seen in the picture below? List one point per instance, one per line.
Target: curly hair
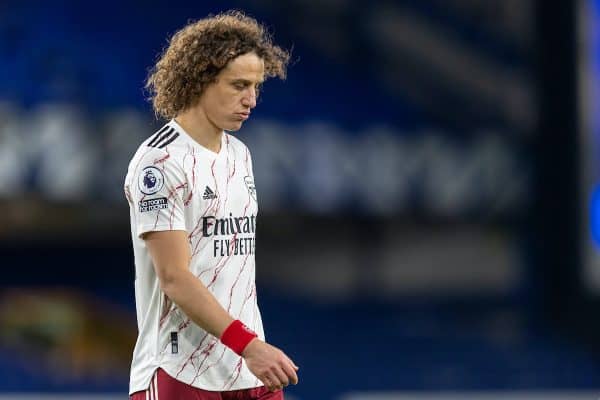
(199, 51)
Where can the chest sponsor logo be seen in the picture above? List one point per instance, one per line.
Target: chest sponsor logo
(153, 204)
(232, 236)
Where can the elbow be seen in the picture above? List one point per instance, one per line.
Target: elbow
(169, 282)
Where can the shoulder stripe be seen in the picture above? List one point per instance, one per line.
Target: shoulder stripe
(157, 134)
(164, 144)
(159, 138)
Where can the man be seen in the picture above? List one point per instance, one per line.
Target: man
(193, 207)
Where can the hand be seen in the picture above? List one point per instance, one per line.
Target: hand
(270, 365)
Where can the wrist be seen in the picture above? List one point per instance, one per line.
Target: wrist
(248, 349)
(237, 336)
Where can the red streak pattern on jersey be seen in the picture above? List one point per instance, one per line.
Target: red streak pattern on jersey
(211, 197)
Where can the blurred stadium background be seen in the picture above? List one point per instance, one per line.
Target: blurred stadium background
(428, 182)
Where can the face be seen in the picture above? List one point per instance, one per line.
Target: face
(228, 102)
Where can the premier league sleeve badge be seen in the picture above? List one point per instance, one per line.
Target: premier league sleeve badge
(150, 180)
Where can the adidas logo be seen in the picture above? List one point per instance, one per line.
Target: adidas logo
(209, 194)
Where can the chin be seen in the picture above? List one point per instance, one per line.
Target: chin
(233, 127)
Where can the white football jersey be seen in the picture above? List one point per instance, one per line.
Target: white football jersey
(174, 183)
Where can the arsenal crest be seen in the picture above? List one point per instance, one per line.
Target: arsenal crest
(249, 181)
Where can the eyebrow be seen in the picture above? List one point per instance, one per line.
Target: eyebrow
(246, 81)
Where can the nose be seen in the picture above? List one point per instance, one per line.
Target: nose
(249, 99)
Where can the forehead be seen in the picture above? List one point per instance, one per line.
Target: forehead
(246, 66)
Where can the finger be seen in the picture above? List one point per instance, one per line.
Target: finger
(266, 381)
(273, 383)
(293, 363)
(291, 373)
(269, 387)
(282, 376)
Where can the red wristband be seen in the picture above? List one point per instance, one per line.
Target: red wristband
(237, 336)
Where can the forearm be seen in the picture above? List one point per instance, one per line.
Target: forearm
(197, 302)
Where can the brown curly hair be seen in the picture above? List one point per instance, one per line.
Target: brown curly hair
(199, 51)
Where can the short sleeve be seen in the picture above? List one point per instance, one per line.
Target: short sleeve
(249, 161)
(157, 187)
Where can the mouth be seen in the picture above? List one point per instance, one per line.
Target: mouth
(243, 116)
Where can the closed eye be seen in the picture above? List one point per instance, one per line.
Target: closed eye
(243, 84)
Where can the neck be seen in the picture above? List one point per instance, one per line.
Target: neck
(195, 122)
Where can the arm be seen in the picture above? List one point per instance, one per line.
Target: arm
(171, 255)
